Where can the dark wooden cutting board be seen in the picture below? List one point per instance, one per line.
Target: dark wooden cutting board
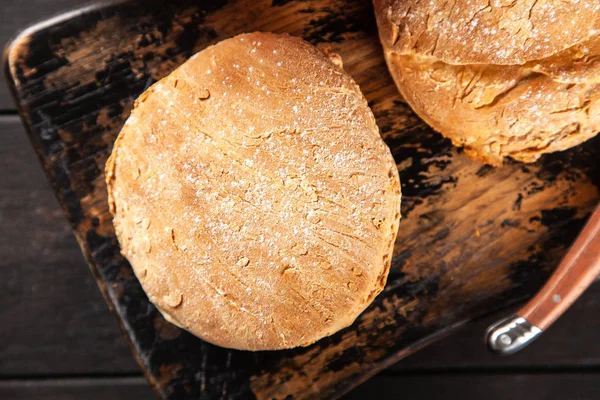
(472, 239)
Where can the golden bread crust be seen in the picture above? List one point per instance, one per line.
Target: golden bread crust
(253, 195)
(530, 87)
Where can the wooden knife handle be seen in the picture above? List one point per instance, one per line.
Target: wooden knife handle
(578, 269)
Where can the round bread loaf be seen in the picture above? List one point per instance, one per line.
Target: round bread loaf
(514, 78)
(253, 196)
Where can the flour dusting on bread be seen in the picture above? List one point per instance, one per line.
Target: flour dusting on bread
(253, 195)
(516, 78)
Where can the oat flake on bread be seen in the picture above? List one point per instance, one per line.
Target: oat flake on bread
(253, 196)
(501, 78)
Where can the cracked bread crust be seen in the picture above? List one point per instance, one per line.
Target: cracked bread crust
(253, 196)
(502, 78)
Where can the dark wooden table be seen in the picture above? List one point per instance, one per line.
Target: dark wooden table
(59, 341)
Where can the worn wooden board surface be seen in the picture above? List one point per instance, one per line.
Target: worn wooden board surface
(16, 15)
(472, 239)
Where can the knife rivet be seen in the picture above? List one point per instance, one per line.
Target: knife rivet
(505, 339)
(556, 298)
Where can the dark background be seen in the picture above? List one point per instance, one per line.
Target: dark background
(59, 341)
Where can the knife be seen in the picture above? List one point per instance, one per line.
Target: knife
(577, 270)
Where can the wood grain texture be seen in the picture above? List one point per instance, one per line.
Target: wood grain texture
(473, 238)
(55, 319)
(532, 386)
(16, 15)
(76, 389)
